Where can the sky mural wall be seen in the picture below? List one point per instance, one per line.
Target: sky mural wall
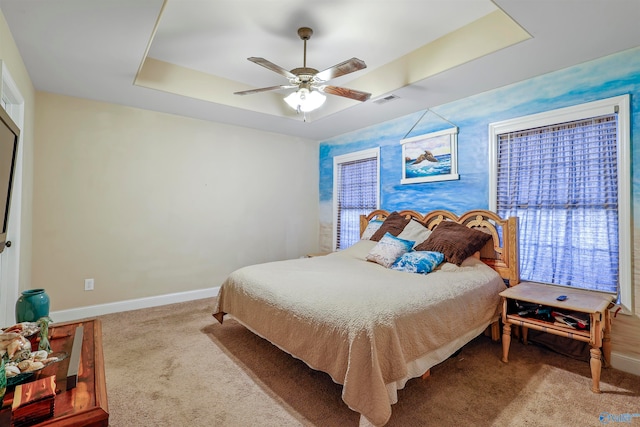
(609, 76)
(606, 77)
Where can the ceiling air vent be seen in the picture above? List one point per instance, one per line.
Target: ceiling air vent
(386, 99)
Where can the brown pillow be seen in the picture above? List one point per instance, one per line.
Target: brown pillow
(456, 241)
(394, 224)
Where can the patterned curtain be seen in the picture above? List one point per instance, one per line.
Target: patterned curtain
(562, 182)
(357, 184)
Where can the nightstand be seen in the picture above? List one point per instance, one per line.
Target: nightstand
(593, 306)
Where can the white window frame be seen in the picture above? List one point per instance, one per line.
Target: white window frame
(345, 158)
(619, 104)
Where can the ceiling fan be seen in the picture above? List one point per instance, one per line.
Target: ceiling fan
(309, 81)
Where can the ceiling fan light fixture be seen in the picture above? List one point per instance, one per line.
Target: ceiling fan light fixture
(305, 100)
(311, 90)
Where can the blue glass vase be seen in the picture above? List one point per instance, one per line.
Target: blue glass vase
(32, 305)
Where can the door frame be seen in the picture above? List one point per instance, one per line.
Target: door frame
(13, 102)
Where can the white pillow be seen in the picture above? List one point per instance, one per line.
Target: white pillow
(415, 231)
(389, 249)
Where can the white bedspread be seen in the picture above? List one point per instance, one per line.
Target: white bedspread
(365, 325)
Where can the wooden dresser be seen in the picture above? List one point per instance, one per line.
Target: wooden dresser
(86, 403)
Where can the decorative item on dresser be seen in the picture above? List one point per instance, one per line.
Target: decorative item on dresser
(373, 323)
(83, 405)
(32, 305)
(3, 382)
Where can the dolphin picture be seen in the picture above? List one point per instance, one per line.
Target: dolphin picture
(427, 155)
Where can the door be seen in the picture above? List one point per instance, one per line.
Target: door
(11, 100)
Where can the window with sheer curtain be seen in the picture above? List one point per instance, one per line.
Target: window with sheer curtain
(562, 179)
(355, 193)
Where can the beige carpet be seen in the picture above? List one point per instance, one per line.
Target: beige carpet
(176, 366)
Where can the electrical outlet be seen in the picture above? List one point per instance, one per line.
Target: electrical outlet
(88, 284)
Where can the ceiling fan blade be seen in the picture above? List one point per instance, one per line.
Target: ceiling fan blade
(264, 89)
(345, 92)
(273, 67)
(346, 67)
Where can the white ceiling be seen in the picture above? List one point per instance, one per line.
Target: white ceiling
(96, 49)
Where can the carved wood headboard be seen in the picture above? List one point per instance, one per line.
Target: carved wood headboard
(500, 253)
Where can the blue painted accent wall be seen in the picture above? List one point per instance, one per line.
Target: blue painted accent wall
(609, 76)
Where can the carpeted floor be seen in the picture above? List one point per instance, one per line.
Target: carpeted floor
(177, 366)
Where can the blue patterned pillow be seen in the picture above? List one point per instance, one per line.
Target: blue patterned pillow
(418, 262)
(389, 249)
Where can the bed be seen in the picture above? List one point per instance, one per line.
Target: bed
(372, 327)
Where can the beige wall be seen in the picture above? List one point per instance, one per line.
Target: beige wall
(150, 204)
(13, 61)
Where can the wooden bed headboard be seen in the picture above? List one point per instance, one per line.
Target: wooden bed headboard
(500, 253)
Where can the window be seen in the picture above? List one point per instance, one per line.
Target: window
(356, 192)
(565, 174)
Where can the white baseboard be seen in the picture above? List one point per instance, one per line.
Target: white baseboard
(134, 304)
(625, 363)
